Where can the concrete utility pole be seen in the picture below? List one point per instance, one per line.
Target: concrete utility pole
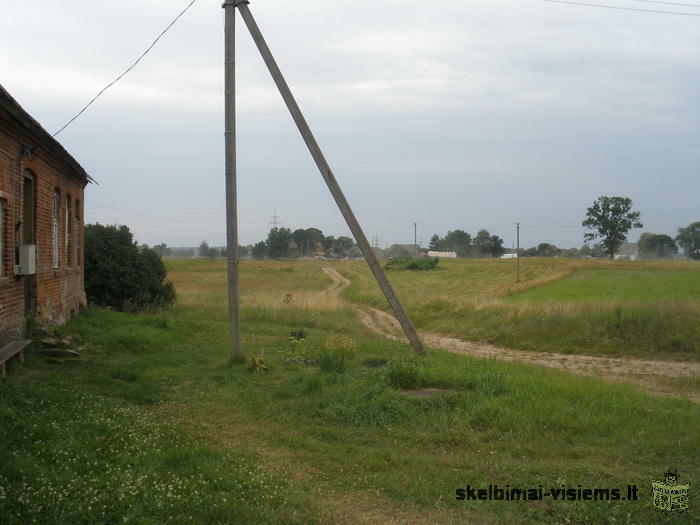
(517, 253)
(236, 353)
(328, 176)
(415, 238)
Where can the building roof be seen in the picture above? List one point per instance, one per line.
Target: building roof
(24, 119)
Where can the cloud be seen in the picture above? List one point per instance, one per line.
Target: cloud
(452, 114)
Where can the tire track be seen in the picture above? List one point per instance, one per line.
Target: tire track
(654, 376)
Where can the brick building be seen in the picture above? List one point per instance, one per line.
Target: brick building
(41, 224)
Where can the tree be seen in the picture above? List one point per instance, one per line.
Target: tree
(206, 251)
(328, 243)
(343, 245)
(656, 245)
(547, 250)
(482, 243)
(496, 246)
(163, 250)
(120, 275)
(435, 243)
(307, 239)
(277, 242)
(259, 250)
(457, 241)
(594, 252)
(612, 219)
(689, 239)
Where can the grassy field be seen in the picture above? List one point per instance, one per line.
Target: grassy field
(152, 426)
(642, 309)
(648, 285)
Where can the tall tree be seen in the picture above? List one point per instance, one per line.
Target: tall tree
(435, 243)
(656, 245)
(458, 241)
(611, 218)
(482, 243)
(496, 246)
(689, 239)
(277, 242)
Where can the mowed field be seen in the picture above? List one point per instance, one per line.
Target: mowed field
(613, 308)
(152, 425)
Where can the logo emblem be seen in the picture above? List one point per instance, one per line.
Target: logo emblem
(669, 495)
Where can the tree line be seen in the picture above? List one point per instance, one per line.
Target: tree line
(608, 219)
(483, 244)
(302, 242)
(280, 243)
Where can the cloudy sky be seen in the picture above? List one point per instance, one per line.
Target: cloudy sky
(468, 114)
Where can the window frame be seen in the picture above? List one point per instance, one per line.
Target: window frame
(68, 232)
(3, 206)
(56, 229)
(76, 232)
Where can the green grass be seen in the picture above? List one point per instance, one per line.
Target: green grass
(152, 426)
(617, 285)
(614, 308)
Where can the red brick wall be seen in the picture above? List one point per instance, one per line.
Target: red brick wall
(58, 292)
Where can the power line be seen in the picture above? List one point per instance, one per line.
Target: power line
(682, 4)
(657, 11)
(171, 24)
(114, 212)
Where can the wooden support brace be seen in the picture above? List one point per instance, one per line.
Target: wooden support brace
(330, 179)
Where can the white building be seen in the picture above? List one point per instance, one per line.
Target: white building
(443, 255)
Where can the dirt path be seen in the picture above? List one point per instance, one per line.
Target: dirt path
(654, 376)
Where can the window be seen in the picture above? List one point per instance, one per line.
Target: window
(2, 237)
(56, 240)
(77, 230)
(68, 232)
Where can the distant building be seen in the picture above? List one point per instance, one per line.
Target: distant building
(293, 249)
(443, 255)
(509, 256)
(41, 224)
(628, 251)
(319, 250)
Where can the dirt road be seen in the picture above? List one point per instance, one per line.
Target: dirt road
(658, 377)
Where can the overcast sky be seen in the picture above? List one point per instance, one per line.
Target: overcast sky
(452, 114)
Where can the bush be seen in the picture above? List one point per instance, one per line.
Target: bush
(120, 275)
(412, 263)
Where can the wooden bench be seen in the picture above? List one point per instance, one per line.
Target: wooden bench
(9, 351)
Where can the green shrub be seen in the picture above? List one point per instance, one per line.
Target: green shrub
(120, 275)
(412, 263)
